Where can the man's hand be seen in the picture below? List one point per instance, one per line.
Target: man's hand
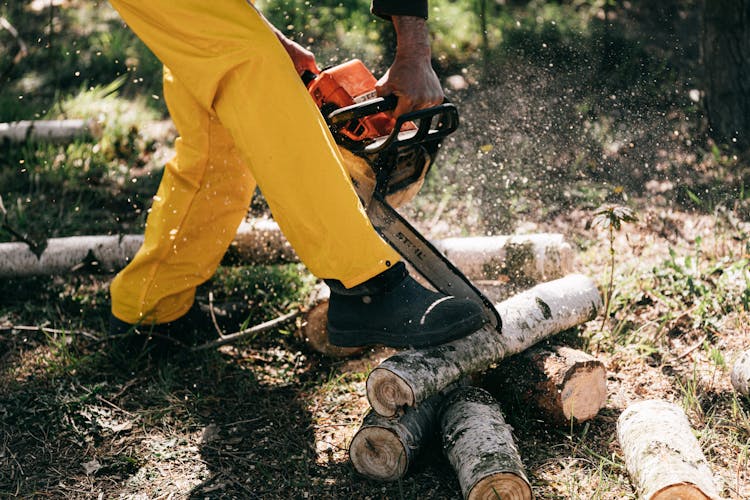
(302, 58)
(411, 77)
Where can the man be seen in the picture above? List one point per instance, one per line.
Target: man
(234, 93)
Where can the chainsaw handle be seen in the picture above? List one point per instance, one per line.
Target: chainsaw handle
(446, 124)
(362, 109)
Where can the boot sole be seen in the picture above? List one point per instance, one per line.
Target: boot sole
(366, 338)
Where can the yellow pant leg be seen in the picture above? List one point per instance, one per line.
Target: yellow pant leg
(231, 62)
(203, 196)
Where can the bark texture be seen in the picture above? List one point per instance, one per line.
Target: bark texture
(384, 448)
(258, 241)
(662, 456)
(410, 377)
(479, 445)
(726, 62)
(741, 374)
(63, 255)
(46, 130)
(563, 383)
(523, 259)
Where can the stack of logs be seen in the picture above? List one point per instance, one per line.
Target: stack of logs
(417, 393)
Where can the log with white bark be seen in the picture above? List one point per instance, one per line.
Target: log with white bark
(662, 455)
(562, 383)
(529, 258)
(47, 130)
(410, 377)
(62, 255)
(258, 241)
(314, 329)
(479, 445)
(384, 448)
(740, 376)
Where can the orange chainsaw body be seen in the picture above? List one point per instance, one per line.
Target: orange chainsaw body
(347, 84)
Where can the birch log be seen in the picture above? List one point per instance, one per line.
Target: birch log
(314, 329)
(410, 377)
(521, 259)
(384, 448)
(662, 456)
(47, 130)
(62, 255)
(740, 376)
(479, 445)
(564, 384)
(258, 241)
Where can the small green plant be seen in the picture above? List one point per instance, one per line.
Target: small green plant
(610, 218)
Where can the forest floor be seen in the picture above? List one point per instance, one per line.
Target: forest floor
(539, 150)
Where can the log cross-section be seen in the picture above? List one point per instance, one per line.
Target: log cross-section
(562, 383)
(384, 448)
(410, 377)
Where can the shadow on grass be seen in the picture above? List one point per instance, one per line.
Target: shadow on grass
(79, 421)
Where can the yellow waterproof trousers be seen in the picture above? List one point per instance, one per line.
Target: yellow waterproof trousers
(243, 117)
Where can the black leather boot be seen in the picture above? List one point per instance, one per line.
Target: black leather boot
(392, 309)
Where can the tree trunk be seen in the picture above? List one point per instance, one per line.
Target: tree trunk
(726, 62)
(384, 448)
(662, 456)
(46, 130)
(564, 384)
(479, 445)
(410, 377)
(741, 374)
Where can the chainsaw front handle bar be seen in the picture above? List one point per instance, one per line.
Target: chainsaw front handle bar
(446, 113)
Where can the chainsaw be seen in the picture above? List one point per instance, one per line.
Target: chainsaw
(387, 159)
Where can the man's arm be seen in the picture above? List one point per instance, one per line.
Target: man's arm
(411, 76)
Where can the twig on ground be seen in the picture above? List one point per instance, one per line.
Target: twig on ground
(23, 51)
(43, 329)
(233, 337)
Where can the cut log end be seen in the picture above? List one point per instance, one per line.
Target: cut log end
(315, 333)
(378, 453)
(388, 393)
(685, 491)
(584, 393)
(505, 485)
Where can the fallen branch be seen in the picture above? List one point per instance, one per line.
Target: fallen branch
(23, 51)
(740, 376)
(479, 445)
(564, 384)
(248, 332)
(662, 456)
(410, 377)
